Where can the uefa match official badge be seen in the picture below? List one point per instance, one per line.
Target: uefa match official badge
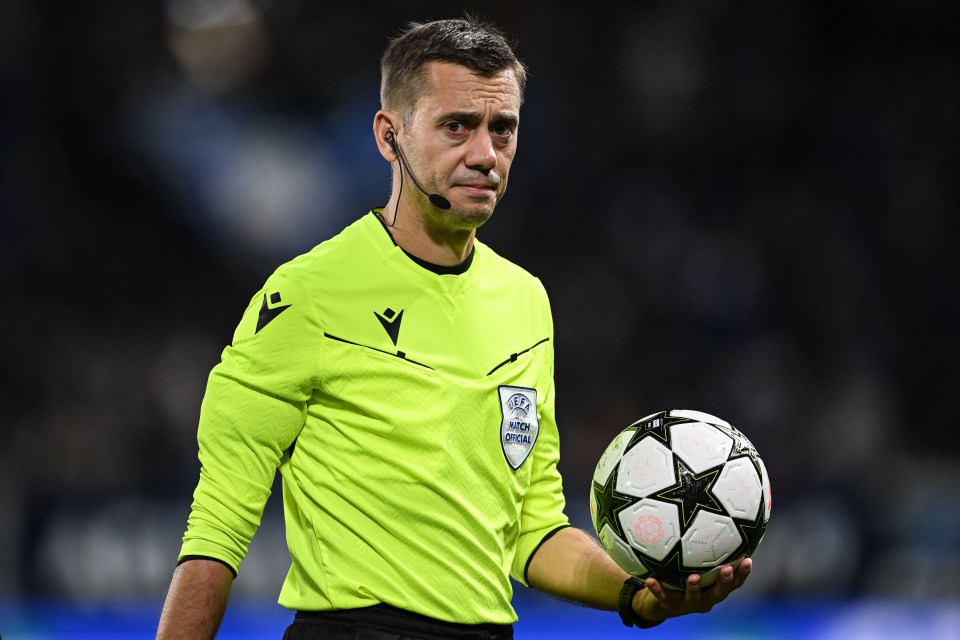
(520, 427)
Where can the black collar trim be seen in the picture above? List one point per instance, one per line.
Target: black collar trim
(439, 269)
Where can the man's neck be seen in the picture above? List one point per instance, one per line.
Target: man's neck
(446, 247)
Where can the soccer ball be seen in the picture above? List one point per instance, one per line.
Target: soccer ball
(677, 493)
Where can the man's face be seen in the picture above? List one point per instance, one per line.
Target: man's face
(461, 140)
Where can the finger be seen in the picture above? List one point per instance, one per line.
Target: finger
(667, 598)
(692, 595)
(724, 584)
(655, 588)
(742, 572)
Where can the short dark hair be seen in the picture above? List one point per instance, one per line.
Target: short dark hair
(479, 46)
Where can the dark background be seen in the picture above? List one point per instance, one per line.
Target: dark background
(742, 209)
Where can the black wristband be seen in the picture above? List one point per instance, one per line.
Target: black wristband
(630, 617)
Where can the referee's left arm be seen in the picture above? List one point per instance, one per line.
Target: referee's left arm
(573, 566)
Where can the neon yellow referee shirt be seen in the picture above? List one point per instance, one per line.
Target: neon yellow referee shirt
(411, 415)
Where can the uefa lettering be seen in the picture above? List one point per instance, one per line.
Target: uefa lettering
(520, 425)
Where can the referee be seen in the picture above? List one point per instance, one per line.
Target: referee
(400, 377)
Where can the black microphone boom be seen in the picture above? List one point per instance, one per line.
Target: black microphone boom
(435, 199)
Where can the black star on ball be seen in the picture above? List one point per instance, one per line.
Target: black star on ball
(750, 533)
(610, 504)
(657, 426)
(669, 571)
(692, 493)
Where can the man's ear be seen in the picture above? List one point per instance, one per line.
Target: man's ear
(383, 122)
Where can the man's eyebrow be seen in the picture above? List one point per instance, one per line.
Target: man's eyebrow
(475, 116)
(465, 116)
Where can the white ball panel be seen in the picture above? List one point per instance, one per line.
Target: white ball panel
(699, 445)
(738, 489)
(767, 492)
(645, 469)
(699, 416)
(622, 554)
(610, 458)
(710, 540)
(652, 526)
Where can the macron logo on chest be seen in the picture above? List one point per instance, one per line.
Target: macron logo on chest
(390, 320)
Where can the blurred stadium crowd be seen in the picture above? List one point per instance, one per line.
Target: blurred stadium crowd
(746, 211)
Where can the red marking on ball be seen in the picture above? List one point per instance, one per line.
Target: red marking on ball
(649, 529)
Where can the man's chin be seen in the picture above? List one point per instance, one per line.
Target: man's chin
(470, 216)
(475, 219)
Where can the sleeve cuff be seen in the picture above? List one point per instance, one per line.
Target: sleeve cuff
(549, 535)
(188, 558)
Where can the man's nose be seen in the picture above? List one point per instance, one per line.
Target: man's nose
(481, 155)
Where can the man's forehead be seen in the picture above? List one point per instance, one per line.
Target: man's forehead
(453, 86)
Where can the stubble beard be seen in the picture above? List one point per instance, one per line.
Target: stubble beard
(456, 218)
(467, 219)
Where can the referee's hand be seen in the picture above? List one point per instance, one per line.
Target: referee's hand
(655, 603)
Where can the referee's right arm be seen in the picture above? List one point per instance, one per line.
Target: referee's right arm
(253, 409)
(196, 601)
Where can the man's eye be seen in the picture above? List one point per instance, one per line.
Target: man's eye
(502, 130)
(454, 127)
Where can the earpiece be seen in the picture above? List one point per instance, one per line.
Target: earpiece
(435, 198)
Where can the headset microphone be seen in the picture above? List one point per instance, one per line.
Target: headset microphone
(436, 199)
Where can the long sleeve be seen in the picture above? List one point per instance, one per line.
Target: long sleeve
(252, 411)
